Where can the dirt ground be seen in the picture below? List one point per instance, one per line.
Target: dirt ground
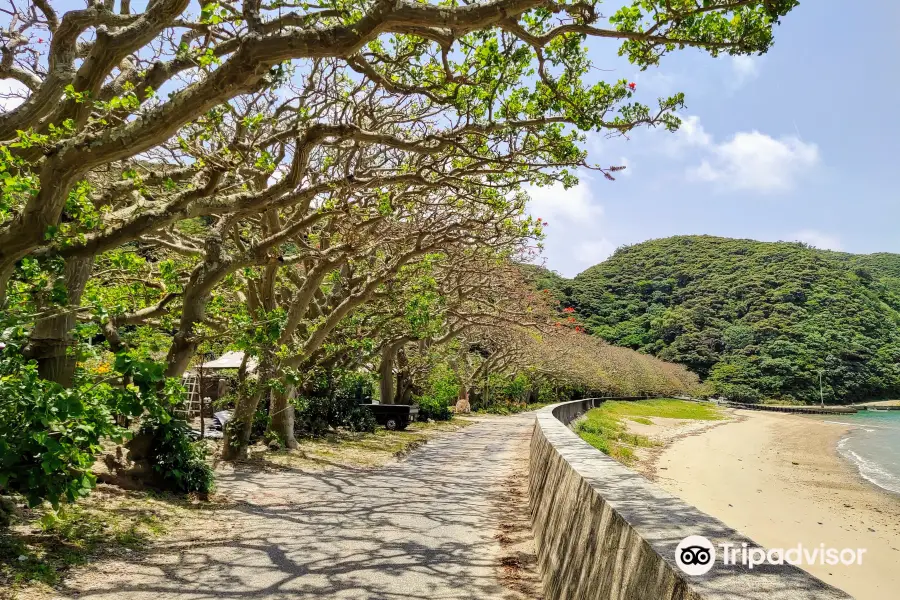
(663, 432)
(517, 565)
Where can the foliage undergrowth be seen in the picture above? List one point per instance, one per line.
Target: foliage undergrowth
(604, 427)
(511, 408)
(50, 435)
(333, 405)
(179, 461)
(434, 409)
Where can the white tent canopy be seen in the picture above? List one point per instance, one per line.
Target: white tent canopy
(230, 360)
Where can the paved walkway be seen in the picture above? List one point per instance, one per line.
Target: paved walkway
(420, 529)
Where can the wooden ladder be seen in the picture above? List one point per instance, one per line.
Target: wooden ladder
(191, 404)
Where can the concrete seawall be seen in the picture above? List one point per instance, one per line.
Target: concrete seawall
(603, 531)
(802, 410)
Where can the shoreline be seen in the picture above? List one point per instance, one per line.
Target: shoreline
(780, 480)
(872, 473)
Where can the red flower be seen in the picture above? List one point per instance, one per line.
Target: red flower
(569, 309)
(570, 319)
(40, 40)
(579, 329)
(632, 86)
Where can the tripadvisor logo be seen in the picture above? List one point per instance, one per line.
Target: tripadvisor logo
(695, 555)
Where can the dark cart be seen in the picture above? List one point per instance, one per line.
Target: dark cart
(394, 416)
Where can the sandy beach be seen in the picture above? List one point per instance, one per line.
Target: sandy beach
(779, 480)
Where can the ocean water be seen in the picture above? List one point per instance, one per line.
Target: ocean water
(873, 445)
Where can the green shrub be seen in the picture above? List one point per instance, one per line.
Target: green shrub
(516, 389)
(739, 393)
(50, 435)
(434, 409)
(316, 415)
(175, 458)
(442, 385)
(260, 421)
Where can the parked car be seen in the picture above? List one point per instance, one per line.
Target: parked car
(394, 416)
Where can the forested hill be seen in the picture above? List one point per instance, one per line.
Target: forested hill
(756, 319)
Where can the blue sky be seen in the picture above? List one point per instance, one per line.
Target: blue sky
(802, 143)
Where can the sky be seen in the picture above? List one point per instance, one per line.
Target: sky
(802, 143)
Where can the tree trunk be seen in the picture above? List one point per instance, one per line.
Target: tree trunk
(281, 418)
(237, 432)
(193, 311)
(403, 393)
(5, 274)
(386, 374)
(239, 428)
(462, 402)
(196, 296)
(51, 337)
(184, 342)
(389, 393)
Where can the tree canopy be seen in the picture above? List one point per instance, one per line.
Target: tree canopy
(319, 185)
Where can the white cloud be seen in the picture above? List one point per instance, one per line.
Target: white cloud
(12, 94)
(753, 161)
(690, 135)
(749, 160)
(574, 239)
(818, 239)
(554, 203)
(744, 69)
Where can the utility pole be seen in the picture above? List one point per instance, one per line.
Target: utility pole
(821, 397)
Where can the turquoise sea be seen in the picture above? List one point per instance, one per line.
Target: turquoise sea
(874, 446)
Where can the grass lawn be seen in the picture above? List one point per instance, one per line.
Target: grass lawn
(604, 427)
(511, 408)
(348, 449)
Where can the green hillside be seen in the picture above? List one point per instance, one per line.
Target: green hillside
(758, 320)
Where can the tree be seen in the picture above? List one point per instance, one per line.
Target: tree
(264, 173)
(366, 249)
(463, 292)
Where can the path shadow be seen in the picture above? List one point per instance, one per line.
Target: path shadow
(420, 529)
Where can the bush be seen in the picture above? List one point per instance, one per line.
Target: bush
(50, 435)
(179, 462)
(508, 408)
(434, 409)
(316, 415)
(443, 385)
(739, 393)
